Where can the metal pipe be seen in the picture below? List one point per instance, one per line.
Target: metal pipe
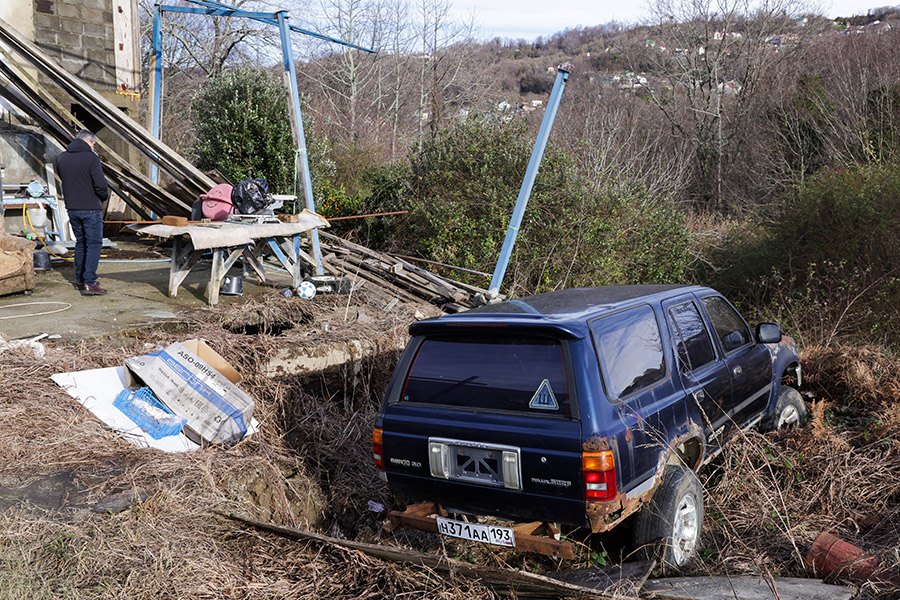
(562, 76)
(157, 83)
(272, 20)
(228, 11)
(381, 214)
(297, 128)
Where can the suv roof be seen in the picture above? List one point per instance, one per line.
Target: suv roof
(565, 311)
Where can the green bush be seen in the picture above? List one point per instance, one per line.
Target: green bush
(244, 131)
(460, 189)
(848, 215)
(829, 267)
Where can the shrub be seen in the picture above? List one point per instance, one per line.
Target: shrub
(460, 189)
(829, 268)
(244, 131)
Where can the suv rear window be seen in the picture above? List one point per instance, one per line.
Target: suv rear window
(514, 373)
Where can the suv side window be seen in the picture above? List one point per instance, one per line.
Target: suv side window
(730, 327)
(630, 350)
(692, 342)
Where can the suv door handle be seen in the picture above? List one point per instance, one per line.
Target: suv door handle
(737, 371)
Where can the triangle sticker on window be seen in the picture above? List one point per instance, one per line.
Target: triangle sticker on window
(543, 398)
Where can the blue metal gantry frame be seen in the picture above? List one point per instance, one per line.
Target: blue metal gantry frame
(537, 153)
(280, 19)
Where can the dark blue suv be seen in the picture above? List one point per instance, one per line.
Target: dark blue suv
(582, 407)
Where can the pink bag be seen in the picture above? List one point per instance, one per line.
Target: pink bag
(217, 202)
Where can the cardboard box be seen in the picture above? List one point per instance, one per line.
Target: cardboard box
(194, 382)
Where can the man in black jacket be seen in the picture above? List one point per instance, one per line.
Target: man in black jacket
(84, 189)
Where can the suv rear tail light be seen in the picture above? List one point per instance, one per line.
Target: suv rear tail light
(599, 473)
(377, 448)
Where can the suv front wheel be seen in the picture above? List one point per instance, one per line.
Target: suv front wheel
(790, 411)
(668, 527)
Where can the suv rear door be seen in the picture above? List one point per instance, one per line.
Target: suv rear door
(487, 422)
(635, 374)
(749, 363)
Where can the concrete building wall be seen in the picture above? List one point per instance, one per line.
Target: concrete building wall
(19, 14)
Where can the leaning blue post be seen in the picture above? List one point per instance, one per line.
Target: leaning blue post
(157, 82)
(297, 129)
(562, 75)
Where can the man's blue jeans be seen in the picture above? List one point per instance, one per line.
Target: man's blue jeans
(88, 228)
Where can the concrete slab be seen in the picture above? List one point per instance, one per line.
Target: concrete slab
(137, 295)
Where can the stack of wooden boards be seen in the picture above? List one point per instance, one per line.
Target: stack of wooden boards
(27, 94)
(396, 276)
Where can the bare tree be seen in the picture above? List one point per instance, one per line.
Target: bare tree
(445, 70)
(208, 43)
(714, 54)
(196, 47)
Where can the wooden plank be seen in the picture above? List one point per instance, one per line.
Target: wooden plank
(745, 588)
(391, 289)
(447, 288)
(521, 582)
(58, 121)
(398, 281)
(625, 579)
(439, 289)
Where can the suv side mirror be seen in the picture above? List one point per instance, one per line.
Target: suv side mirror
(768, 333)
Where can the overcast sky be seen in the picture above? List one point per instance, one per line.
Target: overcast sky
(529, 19)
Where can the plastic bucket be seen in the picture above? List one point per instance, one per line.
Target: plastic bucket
(41, 260)
(233, 285)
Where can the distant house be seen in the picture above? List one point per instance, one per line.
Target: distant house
(729, 87)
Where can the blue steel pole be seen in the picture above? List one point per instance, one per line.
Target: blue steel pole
(157, 83)
(562, 75)
(299, 138)
(273, 21)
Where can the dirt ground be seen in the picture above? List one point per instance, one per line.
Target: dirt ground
(137, 278)
(310, 464)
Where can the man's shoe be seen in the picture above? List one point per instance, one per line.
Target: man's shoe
(79, 285)
(93, 290)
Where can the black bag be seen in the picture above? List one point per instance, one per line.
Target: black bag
(251, 196)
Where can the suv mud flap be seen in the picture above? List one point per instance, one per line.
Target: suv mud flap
(537, 537)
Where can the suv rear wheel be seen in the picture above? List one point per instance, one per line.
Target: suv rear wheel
(668, 528)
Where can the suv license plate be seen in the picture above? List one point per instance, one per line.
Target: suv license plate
(488, 534)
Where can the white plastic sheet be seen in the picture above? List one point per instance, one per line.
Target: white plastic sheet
(96, 390)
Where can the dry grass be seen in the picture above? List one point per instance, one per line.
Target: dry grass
(769, 496)
(171, 545)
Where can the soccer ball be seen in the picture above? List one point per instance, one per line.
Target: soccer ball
(306, 290)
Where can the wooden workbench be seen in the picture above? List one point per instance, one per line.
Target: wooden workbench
(228, 241)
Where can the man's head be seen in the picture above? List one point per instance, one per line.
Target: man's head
(87, 136)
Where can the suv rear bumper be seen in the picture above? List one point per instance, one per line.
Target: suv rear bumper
(466, 498)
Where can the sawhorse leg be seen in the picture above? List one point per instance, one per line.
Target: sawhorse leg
(288, 252)
(220, 266)
(184, 257)
(253, 257)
